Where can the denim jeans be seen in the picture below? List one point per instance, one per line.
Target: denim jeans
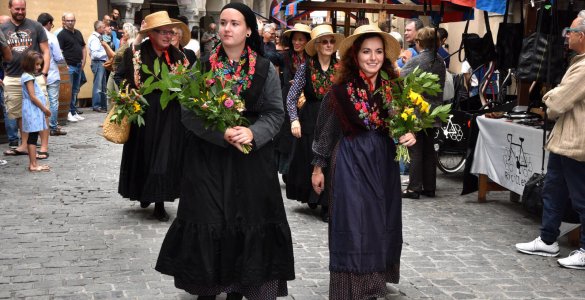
(98, 95)
(564, 182)
(53, 95)
(10, 125)
(75, 77)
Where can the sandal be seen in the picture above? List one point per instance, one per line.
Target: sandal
(41, 168)
(14, 152)
(42, 155)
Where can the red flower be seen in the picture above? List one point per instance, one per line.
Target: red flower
(357, 106)
(321, 90)
(313, 77)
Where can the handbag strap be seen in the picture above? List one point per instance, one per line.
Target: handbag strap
(543, 140)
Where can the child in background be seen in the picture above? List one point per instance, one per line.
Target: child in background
(34, 107)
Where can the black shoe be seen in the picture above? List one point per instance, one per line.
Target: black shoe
(57, 132)
(234, 296)
(410, 194)
(79, 112)
(160, 215)
(13, 144)
(312, 205)
(430, 194)
(325, 214)
(144, 204)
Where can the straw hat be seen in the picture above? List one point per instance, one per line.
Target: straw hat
(319, 31)
(392, 48)
(299, 27)
(186, 38)
(158, 19)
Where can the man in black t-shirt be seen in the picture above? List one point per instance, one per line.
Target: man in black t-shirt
(22, 35)
(75, 53)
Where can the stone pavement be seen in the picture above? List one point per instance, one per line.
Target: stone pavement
(67, 234)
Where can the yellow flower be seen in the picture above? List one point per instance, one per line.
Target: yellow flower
(415, 97)
(137, 107)
(413, 117)
(409, 111)
(222, 98)
(424, 107)
(404, 116)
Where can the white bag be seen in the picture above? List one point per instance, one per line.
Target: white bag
(449, 88)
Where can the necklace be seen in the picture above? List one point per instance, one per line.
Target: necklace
(242, 74)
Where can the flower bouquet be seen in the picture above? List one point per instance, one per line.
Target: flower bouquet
(127, 104)
(214, 100)
(409, 112)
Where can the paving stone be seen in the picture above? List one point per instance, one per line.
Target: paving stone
(76, 238)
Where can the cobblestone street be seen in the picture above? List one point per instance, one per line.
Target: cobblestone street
(67, 234)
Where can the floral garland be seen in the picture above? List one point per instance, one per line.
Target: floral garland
(137, 64)
(322, 81)
(223, 69)
(370, 114)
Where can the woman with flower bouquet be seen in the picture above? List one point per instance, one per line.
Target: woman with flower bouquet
(231, 233)
(152, 157)
(313, 78)
(352, 140)
(423, 159)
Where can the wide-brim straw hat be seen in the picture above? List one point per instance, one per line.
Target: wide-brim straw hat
(186, 38)
(299, 27)
(391, 45)
(158, 19)
(319, 31)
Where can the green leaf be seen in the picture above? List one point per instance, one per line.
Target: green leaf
(165, 98)
(156, 67)
(146, 70)
(148, 81)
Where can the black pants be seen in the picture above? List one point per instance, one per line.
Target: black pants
(423, 162)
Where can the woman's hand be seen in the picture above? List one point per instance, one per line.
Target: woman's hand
(238, 136)
(47, 112)
(407, 140)
(295, 128)
(318, 180)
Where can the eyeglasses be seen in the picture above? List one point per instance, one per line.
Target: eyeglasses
(69, 21)
(164, 32)
(566, 31)
(327, 42)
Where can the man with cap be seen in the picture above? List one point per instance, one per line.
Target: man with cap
(151, 159)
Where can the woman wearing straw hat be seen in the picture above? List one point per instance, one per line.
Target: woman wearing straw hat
(231, 233)
(152, 157)
(180, 39)
(296, 39)
(313, 79)
(365, 230)
(423, 160)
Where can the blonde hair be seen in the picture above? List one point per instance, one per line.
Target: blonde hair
(426, 37)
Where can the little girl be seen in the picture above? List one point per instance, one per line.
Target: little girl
(34, 109)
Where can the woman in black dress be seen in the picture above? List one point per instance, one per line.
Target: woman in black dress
(231, 233)
(365, 230)
(296, 39)
(314, 79)
(180, 39)
(152, 157)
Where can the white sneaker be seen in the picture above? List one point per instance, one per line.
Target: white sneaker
(538, 247)
(78, 117)
(575, 260)
(71, 118)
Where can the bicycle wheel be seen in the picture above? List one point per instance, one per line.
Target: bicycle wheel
(450, 161)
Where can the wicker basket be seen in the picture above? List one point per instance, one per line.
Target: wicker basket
(114, 132)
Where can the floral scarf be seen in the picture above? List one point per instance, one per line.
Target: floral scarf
(366, 102)
(321, 81)
(242, 73)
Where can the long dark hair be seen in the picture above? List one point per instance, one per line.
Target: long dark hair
(349, 68)
(30, 60)
(254, 40)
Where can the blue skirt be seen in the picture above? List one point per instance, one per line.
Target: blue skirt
(365, 233)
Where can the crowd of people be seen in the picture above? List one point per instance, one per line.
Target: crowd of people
(315, 117)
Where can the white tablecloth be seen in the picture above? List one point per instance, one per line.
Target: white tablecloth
(508, 153)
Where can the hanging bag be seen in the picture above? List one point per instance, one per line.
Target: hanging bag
(541, 50)
(509, 40)
(478, 50)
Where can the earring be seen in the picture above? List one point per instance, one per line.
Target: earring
(247, 35)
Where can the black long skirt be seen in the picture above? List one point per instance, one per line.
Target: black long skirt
(298, 185)
(152, 157)
(231, 232)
